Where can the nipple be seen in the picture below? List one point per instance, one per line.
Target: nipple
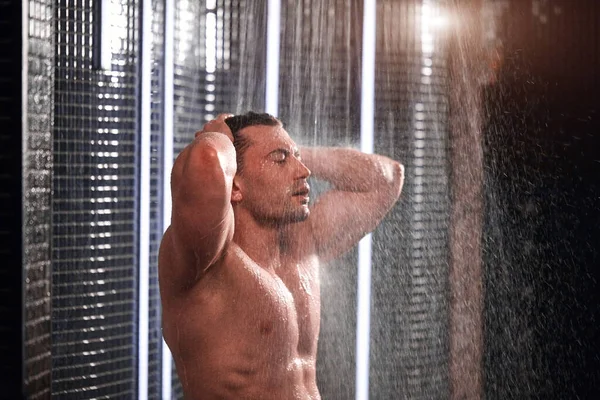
(266, 328)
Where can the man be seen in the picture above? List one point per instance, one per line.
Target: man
(239, 265)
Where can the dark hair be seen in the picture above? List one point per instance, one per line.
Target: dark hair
(239, 122)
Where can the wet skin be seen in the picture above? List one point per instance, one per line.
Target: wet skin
(239, 265)
(246, 332)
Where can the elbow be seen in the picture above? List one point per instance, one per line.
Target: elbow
(210, 159)
(198, 170)
(208, 154)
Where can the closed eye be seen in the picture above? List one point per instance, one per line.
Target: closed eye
(279, 156)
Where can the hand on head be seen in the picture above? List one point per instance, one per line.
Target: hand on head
(217, 125)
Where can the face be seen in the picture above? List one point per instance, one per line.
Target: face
(273, 183)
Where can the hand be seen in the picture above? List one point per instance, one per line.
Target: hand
(218, 125)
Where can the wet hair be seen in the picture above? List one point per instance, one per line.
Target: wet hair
(239, 122)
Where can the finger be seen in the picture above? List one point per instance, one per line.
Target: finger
(223, 117)
(210, 125)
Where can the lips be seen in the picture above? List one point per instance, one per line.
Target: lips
(303, 190)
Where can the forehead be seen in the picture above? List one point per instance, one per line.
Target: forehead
(268, 138)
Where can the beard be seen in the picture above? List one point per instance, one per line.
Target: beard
(289, 214)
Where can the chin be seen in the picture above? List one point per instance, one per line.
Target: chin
(299, 216)
(289, 217)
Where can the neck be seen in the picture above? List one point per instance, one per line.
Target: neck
(261, 241)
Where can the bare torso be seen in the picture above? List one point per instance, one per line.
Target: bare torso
(239, 265)
(243, 331)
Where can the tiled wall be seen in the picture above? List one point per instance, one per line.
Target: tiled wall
(37, 189)
(95, 203)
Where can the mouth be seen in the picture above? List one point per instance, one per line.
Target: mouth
(302, 191)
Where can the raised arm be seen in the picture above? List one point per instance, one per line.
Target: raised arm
(365, 187)
(202, 219)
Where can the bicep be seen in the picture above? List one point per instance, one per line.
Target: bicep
(340, 219)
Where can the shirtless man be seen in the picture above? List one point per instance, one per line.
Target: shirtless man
(239, 265)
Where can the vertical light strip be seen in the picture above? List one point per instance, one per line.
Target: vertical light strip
(211, 42)
(144, 205)
(105, 35)
(367, 117)
(272, 68)
(168, 126)
(24, 169)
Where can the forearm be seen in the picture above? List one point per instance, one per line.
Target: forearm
(352, 170)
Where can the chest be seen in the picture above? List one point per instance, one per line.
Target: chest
(302, 281)
(285, 302)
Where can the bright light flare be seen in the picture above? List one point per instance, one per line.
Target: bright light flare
(433, 19)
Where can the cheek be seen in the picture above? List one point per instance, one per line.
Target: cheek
(266, 183)
(257, 188)
(271, 176)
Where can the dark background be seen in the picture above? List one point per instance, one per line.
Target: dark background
(542, 219)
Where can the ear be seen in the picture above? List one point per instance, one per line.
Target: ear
(236, 193)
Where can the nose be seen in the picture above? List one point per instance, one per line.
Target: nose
(303, 172)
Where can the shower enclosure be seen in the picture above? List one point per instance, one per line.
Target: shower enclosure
(483, 279)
